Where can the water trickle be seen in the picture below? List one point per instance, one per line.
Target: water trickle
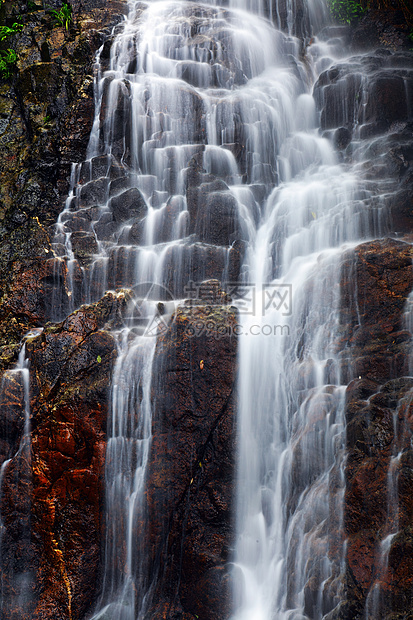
(16, 577)
(125, 579)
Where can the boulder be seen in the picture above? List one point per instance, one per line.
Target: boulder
(128, 204)
(218, 219)
(370, 90)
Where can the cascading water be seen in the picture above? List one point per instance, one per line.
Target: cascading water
(291, 481)
(127, 454)
(16, 469)
(205, 134)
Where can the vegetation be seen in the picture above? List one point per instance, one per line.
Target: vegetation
(6, 31)
(349, 10)
(346, 11)
(8, 59)
(63, 16)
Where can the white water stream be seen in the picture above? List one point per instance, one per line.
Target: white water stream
(16, 382)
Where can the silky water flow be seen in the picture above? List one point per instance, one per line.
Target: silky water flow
(16, 471)
(222, 96)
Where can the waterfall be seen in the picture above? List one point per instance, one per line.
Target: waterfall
(206, 136)
(15, 473)
(127, 456)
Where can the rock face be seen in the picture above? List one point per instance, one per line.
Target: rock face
(367, 98)
(370, 90)
(383, 26)
(190, 483)
(46, 116)
(379, 395)
(52, 490)
(52, 487)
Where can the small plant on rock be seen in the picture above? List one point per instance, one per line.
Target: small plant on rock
(63, 16)
(8, 59)
(6, 31)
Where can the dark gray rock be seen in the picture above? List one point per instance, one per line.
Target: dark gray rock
(128, 204)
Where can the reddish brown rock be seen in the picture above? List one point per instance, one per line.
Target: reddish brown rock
(376, 281)
(51, 504)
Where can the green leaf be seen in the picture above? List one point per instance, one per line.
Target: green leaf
(63, 16)
(99, 359)
(346, 11)
(8, 59)
(6, 31)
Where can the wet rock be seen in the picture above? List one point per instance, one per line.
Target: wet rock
(370, 90)
(378, 412)
(136, 232)
(300, 20)
(105, 227)
(115, 113)
(30, 301)
(341, 138)
(196, 262)
(78, 222)
(84, 246)
(93, 193)
(119, 185)
(213, 212)
(386, 99)
(11, 412)
(218, 222)
(383, 272)
(128, 204)
(98, 167)
(192, 463)
(60, 487)
(49, 114)
(381, 27)
(209, 293)
(338, 94)
(121, 266)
